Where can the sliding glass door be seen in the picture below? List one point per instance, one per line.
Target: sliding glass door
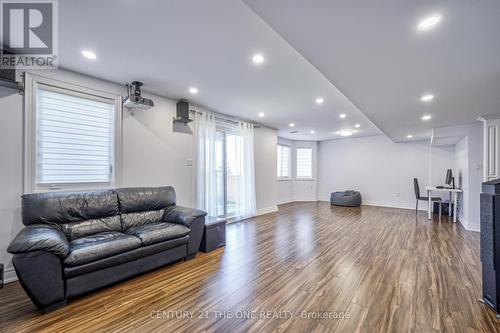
(228, 164)
(220, 168)
(233, 173)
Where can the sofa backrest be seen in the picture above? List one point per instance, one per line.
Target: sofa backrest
(143, 205)
(76, 214)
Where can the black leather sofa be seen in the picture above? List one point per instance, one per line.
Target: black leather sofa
(77, 242)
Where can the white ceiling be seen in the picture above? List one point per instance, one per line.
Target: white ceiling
(372, 52)
(173, 45)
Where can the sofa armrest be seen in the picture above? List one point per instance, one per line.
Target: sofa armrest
(41, 276)
(194, 219)
(40, 237)
(182, 215)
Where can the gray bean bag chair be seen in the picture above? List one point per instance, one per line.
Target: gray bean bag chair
(346, 198)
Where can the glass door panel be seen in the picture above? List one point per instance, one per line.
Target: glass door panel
(220, 168)
(233, 172)
(228, 167)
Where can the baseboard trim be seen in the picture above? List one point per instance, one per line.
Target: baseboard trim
(261, 211)
(301, 199)
(400, 205)
(267, 210)
(9, 275)
(285, 201)
(472, 227)
(469, 226)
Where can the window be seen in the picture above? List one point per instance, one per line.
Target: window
(304, 163)
(72, 139)
(283, 162)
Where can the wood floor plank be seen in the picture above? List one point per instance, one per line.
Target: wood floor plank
(301, 269)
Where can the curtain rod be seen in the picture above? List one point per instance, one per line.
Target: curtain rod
(227, 120)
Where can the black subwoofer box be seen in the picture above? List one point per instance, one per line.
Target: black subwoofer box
(445, 208)
(490, 243)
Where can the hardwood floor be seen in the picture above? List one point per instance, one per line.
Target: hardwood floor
(384, 270)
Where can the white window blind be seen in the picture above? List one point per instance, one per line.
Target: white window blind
(283, 161)
(304, 163)
(74, 138)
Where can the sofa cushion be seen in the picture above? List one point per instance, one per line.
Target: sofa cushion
(140, 199)
(66, 207)
(74, 230)
(101, 245)
(141, 218)
(158, 232)
(143, 251)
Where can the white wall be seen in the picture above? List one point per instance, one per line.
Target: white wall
(468, 162)
(11, 171)
(475, 140)
(285, 191)
(381, 170)
(154, 153)
(472, 179)
(265, 143)
(293, 189)
(461, 174)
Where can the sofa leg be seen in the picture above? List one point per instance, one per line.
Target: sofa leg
(54, 306)
(190, 256)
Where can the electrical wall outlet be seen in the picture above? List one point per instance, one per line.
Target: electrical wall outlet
(189, 162)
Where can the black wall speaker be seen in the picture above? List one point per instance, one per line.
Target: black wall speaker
(183, 109)
(490, 243)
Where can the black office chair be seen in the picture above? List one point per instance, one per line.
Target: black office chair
(419, 197)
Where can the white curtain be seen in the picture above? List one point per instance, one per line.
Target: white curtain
(245, 201)
(240, 181)
(206, 175)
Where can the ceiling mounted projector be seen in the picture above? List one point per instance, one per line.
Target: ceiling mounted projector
(134, 100)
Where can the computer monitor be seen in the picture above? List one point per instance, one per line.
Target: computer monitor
(449, 178)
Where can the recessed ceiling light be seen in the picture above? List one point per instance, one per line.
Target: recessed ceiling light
(312, 132)
(258, 58)
(342, 115)
(426, 117)
(409, 136)
(355, 131)
(261, 114)
(427, 98)
(429, 22)
(319, 100)
(357, 125)
(291, 125)
(193, 90)
(346, 133)
(89, 54)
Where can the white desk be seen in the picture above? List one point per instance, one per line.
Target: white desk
(453, 199)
